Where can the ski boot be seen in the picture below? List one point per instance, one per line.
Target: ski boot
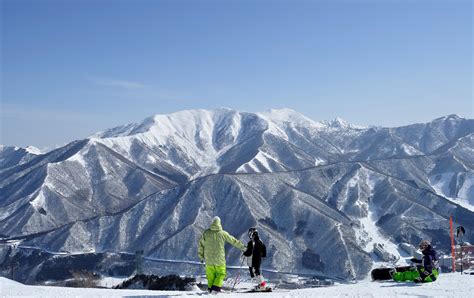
(261, 286)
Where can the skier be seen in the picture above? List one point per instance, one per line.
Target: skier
(254, 253)
(426, 272)
(211, 249)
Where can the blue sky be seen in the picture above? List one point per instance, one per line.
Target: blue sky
(72, 68)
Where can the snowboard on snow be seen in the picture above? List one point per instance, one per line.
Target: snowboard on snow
(384, 272)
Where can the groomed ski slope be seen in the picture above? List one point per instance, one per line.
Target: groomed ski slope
(448, 285)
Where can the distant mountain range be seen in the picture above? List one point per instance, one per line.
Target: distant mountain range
(315, 190)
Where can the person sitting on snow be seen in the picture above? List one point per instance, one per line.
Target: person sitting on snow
(426, 272)
(428, 269)
(256, 250)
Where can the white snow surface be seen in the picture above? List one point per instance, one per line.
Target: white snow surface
(187, 122)
(441, 188)
(290, 116)
(372, 236)
(29, 149)
(447, 285)
(33, 150)
(39, 201)
(341, 123)
(194, 131)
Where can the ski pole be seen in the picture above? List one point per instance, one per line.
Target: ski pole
(238, 273)
(201, 272)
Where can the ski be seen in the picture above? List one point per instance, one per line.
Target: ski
(267, 289)
(251, 290)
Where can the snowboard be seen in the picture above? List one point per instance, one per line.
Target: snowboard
(384, 272)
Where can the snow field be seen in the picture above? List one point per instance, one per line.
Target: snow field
(448, 285)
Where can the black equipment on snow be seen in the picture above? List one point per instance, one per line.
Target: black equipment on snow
(385, 273)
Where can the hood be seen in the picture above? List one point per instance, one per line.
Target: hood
(216, 224)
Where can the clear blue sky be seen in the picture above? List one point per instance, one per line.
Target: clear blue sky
(72, 68)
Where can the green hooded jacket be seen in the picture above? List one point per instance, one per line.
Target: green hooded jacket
(211, 246)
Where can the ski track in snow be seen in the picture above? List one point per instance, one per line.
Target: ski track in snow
(351, 265)
(370, 233)
(448, 285)
(374, 236)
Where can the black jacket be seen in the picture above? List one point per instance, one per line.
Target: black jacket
(429, 259)
(257, 251)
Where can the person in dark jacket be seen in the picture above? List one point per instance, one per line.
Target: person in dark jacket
(427, 271)
(256, 250)
(429, 268)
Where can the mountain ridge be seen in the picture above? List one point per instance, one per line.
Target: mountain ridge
(139, 187)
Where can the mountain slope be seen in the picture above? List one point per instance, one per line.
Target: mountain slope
(306, 185)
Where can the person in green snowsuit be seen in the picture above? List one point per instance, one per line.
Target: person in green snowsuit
(427, 271)
(211, 249)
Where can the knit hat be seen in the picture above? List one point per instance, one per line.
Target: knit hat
(424, 245)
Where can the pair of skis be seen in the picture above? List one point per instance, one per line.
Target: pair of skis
(267, 289)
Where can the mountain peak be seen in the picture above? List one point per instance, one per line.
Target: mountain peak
(340, 123)
(282, 114)
(33, 150)
(184, 118)
(289, 115)
(29, 149)
(449, 117)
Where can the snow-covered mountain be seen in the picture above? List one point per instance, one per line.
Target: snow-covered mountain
(12, 156)
(314, 189)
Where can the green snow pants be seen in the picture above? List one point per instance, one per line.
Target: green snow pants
(411, 275)
(215, 276)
